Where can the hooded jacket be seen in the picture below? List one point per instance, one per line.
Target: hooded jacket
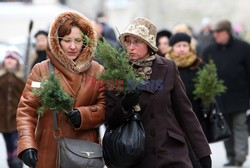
(37, 131)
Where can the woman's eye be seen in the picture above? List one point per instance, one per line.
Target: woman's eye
(78, 40)
(67, 40)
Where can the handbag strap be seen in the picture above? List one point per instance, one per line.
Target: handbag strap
(54, 115)
(55, 125)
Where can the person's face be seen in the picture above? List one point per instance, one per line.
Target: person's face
(221, 37)
(10, 63)
(181, 48)
(98, 28)
(136, 48)
(163, 45)
(72, 43)
(41, 42)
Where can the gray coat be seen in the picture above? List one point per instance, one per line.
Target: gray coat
(168, 119)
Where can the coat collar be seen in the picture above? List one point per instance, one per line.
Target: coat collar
(159, 70)
(18, 73)
(227, 45)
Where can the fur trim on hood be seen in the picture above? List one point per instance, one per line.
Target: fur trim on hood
(83, 61)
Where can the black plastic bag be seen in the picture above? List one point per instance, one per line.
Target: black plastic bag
(125, 145)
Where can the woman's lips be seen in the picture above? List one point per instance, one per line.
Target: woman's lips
(132, 54)
(71, 53)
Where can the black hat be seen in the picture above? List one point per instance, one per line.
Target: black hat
(41, 32)
(162, 33)
(178, 37)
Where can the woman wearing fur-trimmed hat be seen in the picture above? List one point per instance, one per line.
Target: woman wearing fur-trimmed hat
(72, 60)
(11, 87)
(166, 113)
(182, 52)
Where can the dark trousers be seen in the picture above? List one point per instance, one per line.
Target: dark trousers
(11, 143)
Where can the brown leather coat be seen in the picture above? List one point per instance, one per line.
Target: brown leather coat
(11, 87)
(37, 132)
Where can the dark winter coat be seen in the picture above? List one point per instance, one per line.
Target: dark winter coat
(168, 120)
(40, 56)
(188, 74)
(109, 34)
(233, 66)
(11, 87)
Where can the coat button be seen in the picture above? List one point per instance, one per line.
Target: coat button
(152, 115)
(152, 133)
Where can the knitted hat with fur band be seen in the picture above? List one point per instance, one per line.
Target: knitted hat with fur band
(143, 29)
(83, 61)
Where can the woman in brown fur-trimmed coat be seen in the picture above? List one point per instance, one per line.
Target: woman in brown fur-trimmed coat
(73, 64)
(183, 53)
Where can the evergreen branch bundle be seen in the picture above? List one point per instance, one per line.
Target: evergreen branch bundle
(208, 85)
(117, 68)
(52, 96)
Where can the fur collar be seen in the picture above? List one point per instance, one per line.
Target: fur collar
(190, 60)
(83, 62)
(18, 73)
(182, 61)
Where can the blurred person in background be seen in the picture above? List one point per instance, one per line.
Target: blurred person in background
(184, 28)
(40, 47)
(105, 30)
(232, 59)
(162, 42)
(183, 53)
(11, 87)
(205, 37)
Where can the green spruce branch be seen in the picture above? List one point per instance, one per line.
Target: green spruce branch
(208, 85)
(117, 67)
(52, 96)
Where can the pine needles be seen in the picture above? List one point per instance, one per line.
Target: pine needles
(208, 85)
(118, 71)
(52, 96)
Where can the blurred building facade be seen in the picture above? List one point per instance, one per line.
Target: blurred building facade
(15, 16)
(168, 13)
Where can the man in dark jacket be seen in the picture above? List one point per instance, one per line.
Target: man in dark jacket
(41, 44)
(232, 59)
(106, 30)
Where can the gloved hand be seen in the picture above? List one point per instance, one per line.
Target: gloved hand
(130, 100)
(206, 162)
(29, 157)
(75, 118)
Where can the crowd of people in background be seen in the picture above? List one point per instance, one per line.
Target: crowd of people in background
(189, 50)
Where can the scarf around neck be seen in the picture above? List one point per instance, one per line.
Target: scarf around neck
(182, 61)
(144, 66)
